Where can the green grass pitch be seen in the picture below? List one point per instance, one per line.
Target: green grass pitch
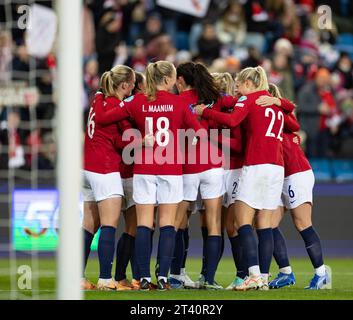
(342, 270)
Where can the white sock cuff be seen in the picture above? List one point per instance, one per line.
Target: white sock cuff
(163, 278)
(147, 278)
(320, 271)
(254, 271)
(286, 270)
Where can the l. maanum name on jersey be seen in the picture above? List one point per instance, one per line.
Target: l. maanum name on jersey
(158, 108)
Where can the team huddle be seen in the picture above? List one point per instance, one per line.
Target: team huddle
(176, 141)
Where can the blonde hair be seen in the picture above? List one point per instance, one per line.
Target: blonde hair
(139, 79)
(155, 73)
(256, 75)
(274, 91)
(225, 82)
(110, 80)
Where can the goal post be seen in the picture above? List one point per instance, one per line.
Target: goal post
(69, 134)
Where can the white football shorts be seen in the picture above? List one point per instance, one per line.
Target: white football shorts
(260, 186)
(209, 183)
(98, 186)
(128, 191)
(298, 189)
(157, 189)
(231, 186)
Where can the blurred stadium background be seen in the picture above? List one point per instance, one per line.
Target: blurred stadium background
(310, 59)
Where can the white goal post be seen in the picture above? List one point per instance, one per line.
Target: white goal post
(69, 134)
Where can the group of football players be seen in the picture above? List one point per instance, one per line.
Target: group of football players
(150, 152)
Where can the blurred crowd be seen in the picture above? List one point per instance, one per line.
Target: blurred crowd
(311, 64)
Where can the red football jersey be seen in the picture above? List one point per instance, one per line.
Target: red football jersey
(287, 106)
(100, 154)
(126, 170)
(161, 117)
(235, 144)
(236, 148)
(294, 158)
(263, 128)
(195, 159)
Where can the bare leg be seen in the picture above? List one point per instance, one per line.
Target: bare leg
(145, 215)
(91, 220)
(109, 211)
(230, 223)
(244, 214)
(302, 216)
(181, 214)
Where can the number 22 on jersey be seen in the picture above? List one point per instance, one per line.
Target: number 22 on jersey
(280, 117)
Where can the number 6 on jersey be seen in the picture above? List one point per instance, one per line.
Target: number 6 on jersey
(90, 124)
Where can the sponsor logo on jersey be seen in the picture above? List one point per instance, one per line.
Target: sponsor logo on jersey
(121, 104)
(239, 104)
(129, 99)
(242, 98)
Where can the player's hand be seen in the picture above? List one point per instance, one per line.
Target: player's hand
(296, 140)
(265, 101)
(148, 140)
(199, 109)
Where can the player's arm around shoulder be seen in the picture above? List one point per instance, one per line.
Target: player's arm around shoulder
(131, 104)
(230, 120)
(113, 110)
(268, 100)
(228, 101)
(286, 105)
(189, 118)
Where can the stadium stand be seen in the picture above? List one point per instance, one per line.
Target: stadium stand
(239, 34)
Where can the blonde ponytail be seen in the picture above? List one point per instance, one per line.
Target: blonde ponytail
(263, 82)
(107, 84)
(151, 85)
(256, 75)
(155, 73)
(274, 91)
(110, 80)
(225, 82)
